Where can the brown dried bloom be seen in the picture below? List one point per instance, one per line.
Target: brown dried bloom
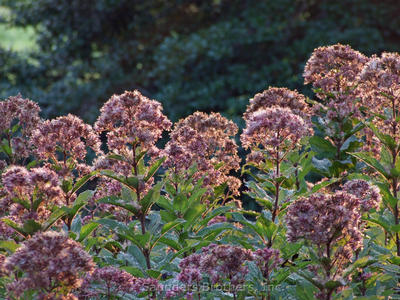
(25, 113)
(275, 131)
(64, 142)
(281, 97)
(50, 263)
(207, 141)
(132, 119)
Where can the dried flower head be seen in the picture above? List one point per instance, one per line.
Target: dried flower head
(64, 141)
(281, 97)
(207, 141)
(50, 263)
(275, 131)
(132, 119)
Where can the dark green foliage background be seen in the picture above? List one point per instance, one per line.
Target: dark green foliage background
(209, 55)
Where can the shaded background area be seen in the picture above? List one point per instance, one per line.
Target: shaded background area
(209, 55)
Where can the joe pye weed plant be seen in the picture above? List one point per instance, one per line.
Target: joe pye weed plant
(136, 207)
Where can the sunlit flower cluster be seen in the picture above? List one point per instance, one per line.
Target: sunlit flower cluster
(111, 281)
(379, 90)
(281, 97)
(218, 262)
(132, 120)
(37, 185)
(51, 264)
(206, 141)
(24, 113)
(274, 131)
(64, 141)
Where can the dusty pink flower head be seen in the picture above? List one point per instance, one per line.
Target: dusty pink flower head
(334, 69)
(225, 262)
(108, 281)
(333, 72)
(274, 130)
(379, 89)
(64, 141)
(326, 219)
(206, 140)
(25, 113)
(50, 263)
(281, 97)
(369, 194)
(132, 119)
(267, 260)
(31, 186)
(218, 262)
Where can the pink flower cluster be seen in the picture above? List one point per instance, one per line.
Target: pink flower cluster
(267, 260)
(274, 131)
(25, 113)
(37, 185)
(368, 194)
(334, 69)
(64, 141)
(51, 264)
(379, 90)
(132, 119)
(219, 262)
(225, 263)
(207, 141)
(111, 281)
(327, 218)
(281, 97)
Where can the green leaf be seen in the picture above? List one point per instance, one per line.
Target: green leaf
(114, 200)
(372, 162)
(76, 224)
(31, 227)
(151, 197)
(322, 147)
(117, 157)
(154, 167)
(86, 230)
(170, 242)
(167, 227)
(11, 246)
(133, 181)
(386, 139)
(54, 217)
(82, 181)
(135, 252)
(387, 196)
(79, 203)
(133, 271)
